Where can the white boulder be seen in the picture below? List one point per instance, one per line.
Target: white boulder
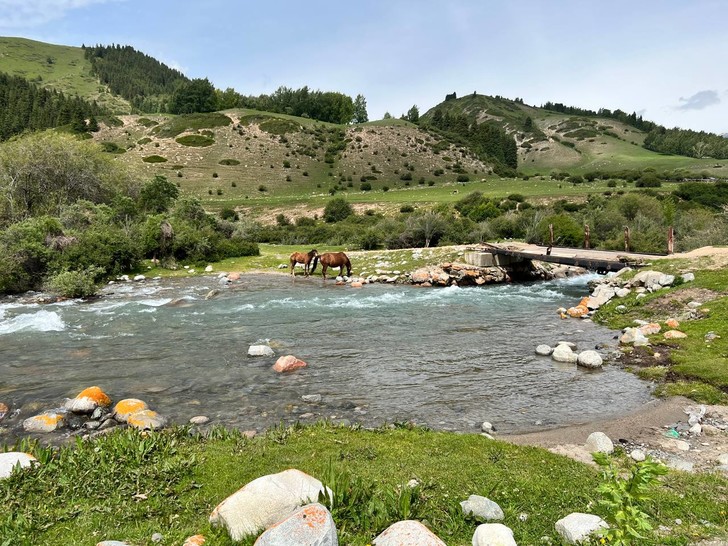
(407, 533)
(483, 508)
(8, 461)
(634, 336)
(563, 353)
(265, 501)
(589, 359)
(493, 534)
(598, 442)
(577, 527)
(260, 350)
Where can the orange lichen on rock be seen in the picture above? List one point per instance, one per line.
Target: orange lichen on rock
(672, 323)
(578, 311)
(96, 395)
(649, 329)
(125, 408)
(675, 334)
(315, 514)
(146, 420)
(195, 540)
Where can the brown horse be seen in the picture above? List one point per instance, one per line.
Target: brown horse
(305, 259)
(332, 259)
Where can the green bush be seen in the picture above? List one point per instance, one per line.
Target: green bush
(229, 162)
(154, 159)
(199, 141)
(567, 232)
(406, 209)
(365, 186)
(337, 210)
(74, 284)
(112, 148)
(229, 214)
(463, 178)
(145, 140)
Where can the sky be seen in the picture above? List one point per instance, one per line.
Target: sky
(664, 59)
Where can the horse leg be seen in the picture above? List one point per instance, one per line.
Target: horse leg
(305, 268)
(324, 267)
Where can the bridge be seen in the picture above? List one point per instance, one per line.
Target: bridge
(508, 255)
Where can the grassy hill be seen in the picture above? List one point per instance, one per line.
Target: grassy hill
(556, 141)
(63, 68)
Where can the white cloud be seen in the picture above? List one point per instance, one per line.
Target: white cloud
(700, 100)
(32, 13)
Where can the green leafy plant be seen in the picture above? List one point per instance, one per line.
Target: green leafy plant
(622, 497)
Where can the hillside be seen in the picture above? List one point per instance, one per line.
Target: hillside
(240, 154)
(550, 140)
(62, 68)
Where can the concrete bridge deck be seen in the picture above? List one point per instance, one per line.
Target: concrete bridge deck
(601, 261)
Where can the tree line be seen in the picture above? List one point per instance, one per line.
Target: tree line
(632, 119)
(142, 80)
(25, 106)
(487, 139)
(686, 142)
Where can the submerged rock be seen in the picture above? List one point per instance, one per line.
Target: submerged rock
(589, 359)
(288, 363)
(48, 421)
(544, 350)
(260, 350)
(563, 353)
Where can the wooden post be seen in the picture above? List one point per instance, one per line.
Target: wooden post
(626, 239)
(586, 236)
(670, 240)
(551, 235)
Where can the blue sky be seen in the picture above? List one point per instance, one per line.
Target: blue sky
(664, 59)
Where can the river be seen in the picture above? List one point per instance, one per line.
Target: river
(447, 358)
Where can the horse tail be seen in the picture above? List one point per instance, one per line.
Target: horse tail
(315, 263)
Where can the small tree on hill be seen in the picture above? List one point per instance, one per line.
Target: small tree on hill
(413, 114)
(336, 210)
(360, 109)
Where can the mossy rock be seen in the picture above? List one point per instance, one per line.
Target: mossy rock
(229, 162)
(154, 159)
(199, 141)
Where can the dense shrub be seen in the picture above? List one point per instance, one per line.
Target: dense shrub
(199, 141)
(74, 284)
(336, 210)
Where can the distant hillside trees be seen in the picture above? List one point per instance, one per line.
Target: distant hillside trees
(486, 139)
(193, 97)
(412, 115)
(142, 80)
(26, 107)
(687, 142)
(629, 119)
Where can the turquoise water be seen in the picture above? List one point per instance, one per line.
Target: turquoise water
(448, 358)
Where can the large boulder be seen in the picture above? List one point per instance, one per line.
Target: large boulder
(288, 363)
(493, 534)
(674, 334)
(649, 279)
(48, 421)
(265, 501)
(311, 525)
(601, 295)
(577, 527)
(88, 400)
(589, 359)
(8, 461)
(431, 274)
(129, 406)
(483, 508)
(563, 353)
(407, 533)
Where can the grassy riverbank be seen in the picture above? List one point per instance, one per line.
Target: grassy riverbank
(696, 366)
(128, 486)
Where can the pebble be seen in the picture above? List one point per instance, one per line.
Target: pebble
(311, 398)
(199, 420)
(157, 537)
(638, 455)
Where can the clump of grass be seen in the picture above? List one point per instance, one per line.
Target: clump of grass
(154, 159)
(229, 162)
(199, 141)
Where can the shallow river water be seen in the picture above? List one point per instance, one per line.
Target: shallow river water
(449, 358)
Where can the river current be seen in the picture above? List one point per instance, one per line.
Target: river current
(447, 358)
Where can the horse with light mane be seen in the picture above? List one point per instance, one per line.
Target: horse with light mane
(332, 259)
(305, 259)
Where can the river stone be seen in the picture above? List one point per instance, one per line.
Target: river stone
(288, 363)
(672, 323)
(146, 420)
(311, 398)
(570, 344)
(407, 533)
(9, 460)
(88, 400)
(577, 527)
(199, 420)
(589, 359)
(544, 350)
(622, 292)
(194, 540)
(482, 507)
(650, 329)
(601, 295)
(638, 455)
(674, 334)
(260, 350)
(311, 525)
(493, 534)
(265, 501)
(48, 421)
(598, 442)
(139, 278)
(4, 410)
(208, 269)
(128, 406)
(487, 426)
(634, 336)
(563, 353)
